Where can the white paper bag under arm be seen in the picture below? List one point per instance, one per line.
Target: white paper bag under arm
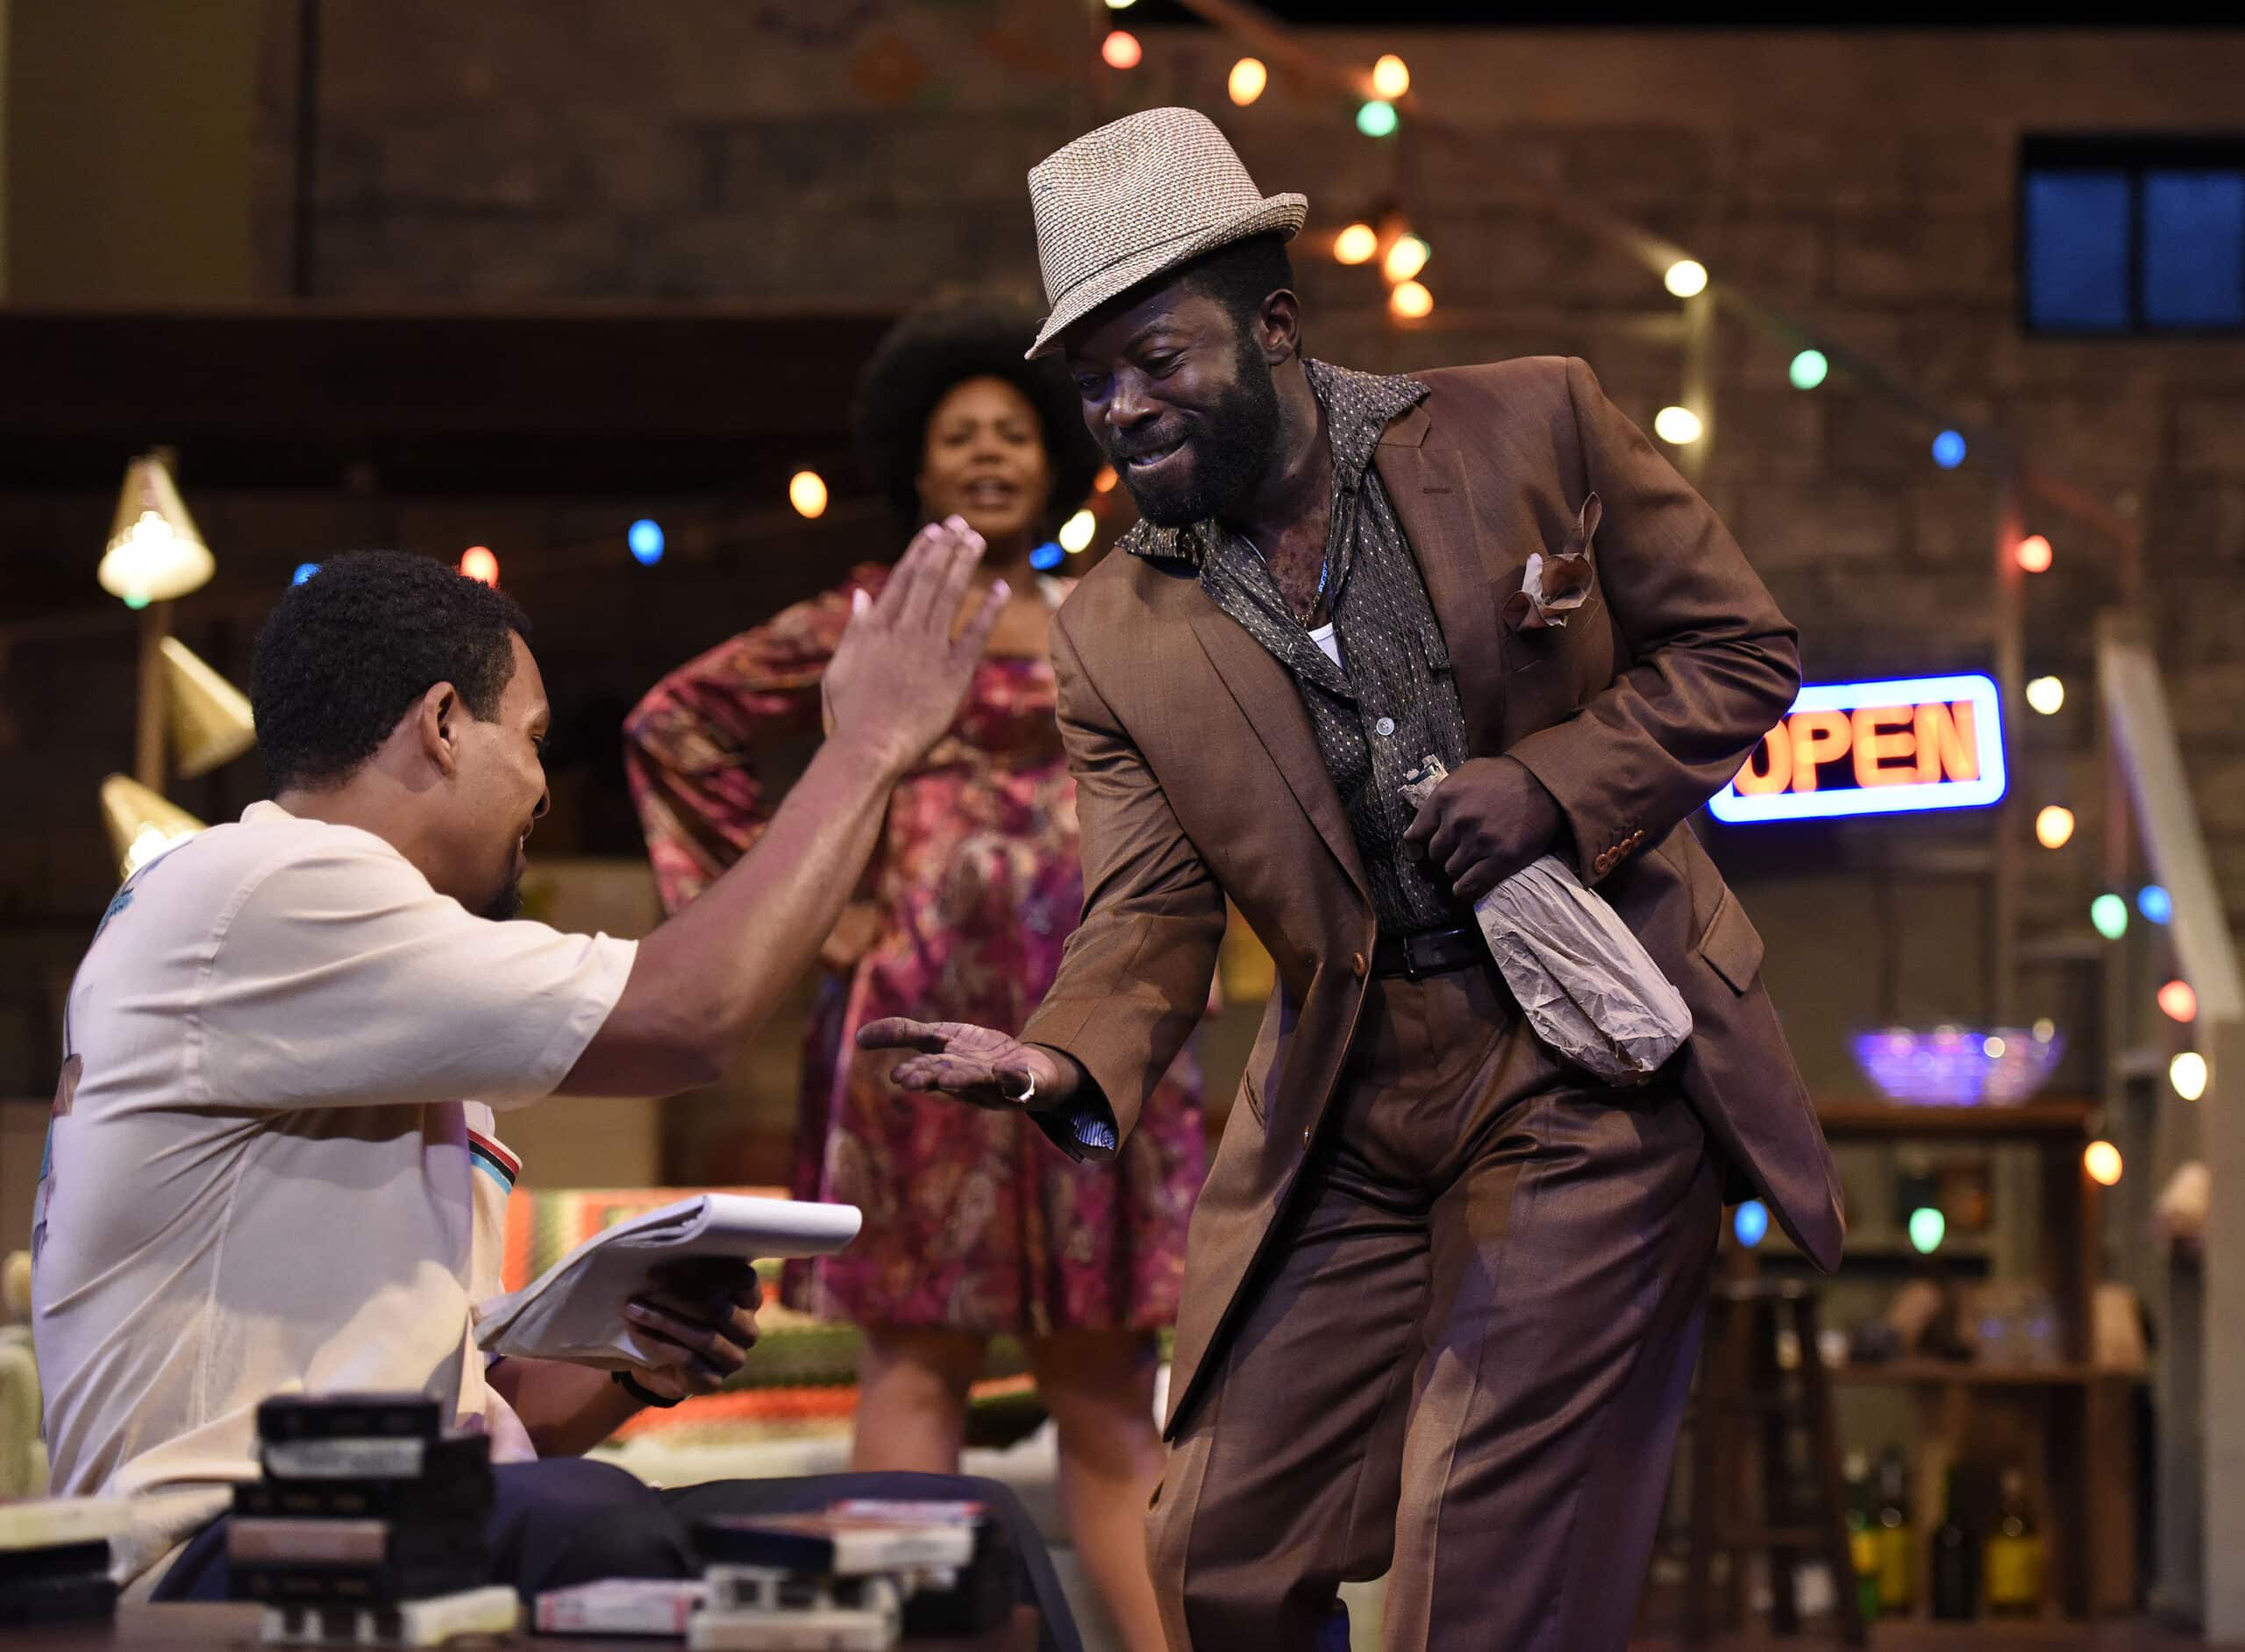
(1587, 986)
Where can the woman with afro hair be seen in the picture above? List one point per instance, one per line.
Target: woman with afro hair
(973, 1224)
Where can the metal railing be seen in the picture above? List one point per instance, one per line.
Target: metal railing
(2200, 1309)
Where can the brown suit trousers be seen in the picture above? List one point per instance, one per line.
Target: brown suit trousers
(1467, 1362)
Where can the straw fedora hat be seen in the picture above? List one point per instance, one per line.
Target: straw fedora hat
(1136, 198)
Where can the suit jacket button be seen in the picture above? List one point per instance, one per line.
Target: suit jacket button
(1305, 1138)
(1356, 965)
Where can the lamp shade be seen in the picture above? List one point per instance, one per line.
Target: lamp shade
(141, 823)
(210, 718)
(155, 550)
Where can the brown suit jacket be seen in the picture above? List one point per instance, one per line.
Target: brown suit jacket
(1198, 777)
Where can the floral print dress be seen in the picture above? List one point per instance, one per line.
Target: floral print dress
(972, 1220)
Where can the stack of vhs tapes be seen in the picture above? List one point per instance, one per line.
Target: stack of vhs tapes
(368, 1528)
(855, 1578)
(860, 1575)
(970, 1597)
(54, 1559)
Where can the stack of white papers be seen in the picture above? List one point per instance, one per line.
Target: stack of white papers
(574, 1311)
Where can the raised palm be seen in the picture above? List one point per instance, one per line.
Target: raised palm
(978, 1064)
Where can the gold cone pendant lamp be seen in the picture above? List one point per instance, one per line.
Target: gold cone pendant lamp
(155, 550)
(210, 718)
(142, 824)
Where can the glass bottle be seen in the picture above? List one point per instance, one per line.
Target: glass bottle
(1897, 1538)
(2014, 1558)
(1955, 1584)
(1862, 1534)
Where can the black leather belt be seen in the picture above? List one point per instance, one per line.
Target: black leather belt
(1435, 952)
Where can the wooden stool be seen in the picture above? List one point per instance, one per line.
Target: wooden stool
(1744, 1404)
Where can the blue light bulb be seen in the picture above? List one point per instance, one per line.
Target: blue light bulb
(304, 571)
(645, 539)
(1046, 557)
(2157, 905)
(1949, 450)
(1750, 1221)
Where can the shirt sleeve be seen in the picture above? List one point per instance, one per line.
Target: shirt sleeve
(339, 978)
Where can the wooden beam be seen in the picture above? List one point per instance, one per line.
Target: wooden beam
(580, 400)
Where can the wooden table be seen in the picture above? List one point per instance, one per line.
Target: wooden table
(212, 1629)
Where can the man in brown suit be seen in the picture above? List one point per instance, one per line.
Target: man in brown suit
(1444, 1289)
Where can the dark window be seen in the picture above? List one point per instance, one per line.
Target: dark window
(2132, 235)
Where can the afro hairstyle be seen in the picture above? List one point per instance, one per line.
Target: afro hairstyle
(926, 355)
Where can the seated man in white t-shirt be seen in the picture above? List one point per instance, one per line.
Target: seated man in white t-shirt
(273, 1165)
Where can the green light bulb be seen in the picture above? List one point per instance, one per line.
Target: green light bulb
(1809, 369)
(1377, 118)
(1928, 1226)
(2110, 913)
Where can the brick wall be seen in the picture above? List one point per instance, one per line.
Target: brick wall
(1862, 182)
(863, 155)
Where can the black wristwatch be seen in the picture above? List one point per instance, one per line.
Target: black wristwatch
(631, 1385)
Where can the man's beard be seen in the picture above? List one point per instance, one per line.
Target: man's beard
(1231, 450)
(507, 904)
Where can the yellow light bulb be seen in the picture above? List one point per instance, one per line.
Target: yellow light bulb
(1677, 426)
(1076, 532)
(1391, 77)
(2102, 1161)
(2187, 1073)
(807, 493)
(1356, 244)
(2046, 694)
(1686, 278)
(1411, 302)
(2053, 827)
(1249, 77)
(1407, 257)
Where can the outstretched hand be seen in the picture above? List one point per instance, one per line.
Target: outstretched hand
(978, 1064)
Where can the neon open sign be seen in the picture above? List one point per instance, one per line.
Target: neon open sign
(1874, 748)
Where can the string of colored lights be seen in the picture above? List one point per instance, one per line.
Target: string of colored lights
(1386, 91)
(1387, 98)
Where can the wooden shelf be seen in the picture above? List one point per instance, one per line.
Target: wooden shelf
(1964, 1374)
(1845, 1121)
(1892, 1248)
